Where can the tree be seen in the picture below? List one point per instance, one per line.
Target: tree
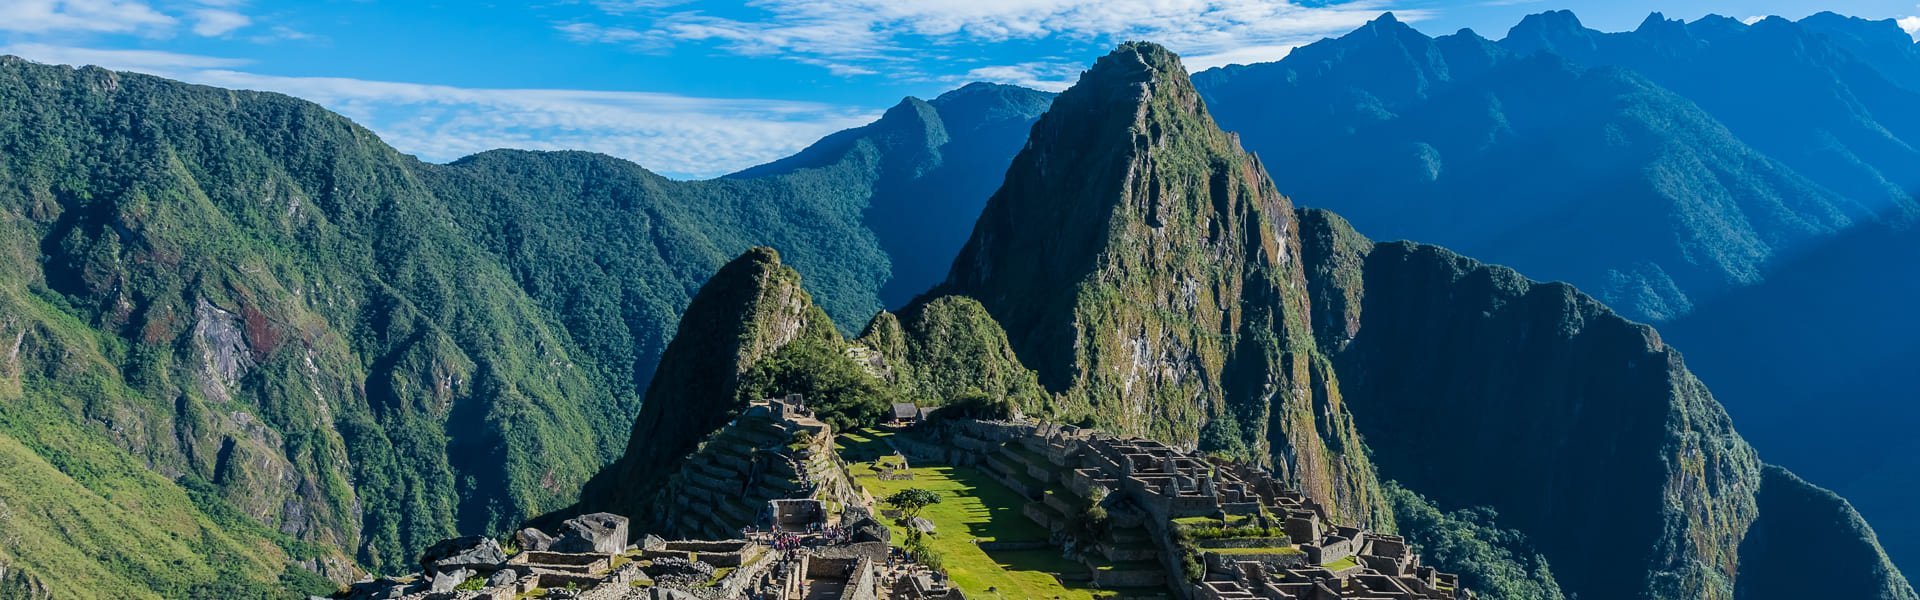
(911, 500)
(835, 386)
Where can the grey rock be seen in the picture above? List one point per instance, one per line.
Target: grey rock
(384, 588)
(503, 578)
(471, 552)
(653, 542)
(605, 533)
(533, 539)
(447, 579)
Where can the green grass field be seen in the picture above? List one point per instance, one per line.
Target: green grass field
(973, 507)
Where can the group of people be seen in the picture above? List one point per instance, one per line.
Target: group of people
(814, 535)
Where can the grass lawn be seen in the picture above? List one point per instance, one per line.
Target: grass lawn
(1343, 563)
(1275, 550)
(973, 507)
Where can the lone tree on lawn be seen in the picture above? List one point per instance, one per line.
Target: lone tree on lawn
(909, 501)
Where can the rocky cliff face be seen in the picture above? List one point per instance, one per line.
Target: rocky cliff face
(750, 309)
(1478, 387)
(1144, 266)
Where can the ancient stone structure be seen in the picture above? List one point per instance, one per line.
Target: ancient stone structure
(775, 450)
(1207, 528)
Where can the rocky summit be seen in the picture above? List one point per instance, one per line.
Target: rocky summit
(1145, 267)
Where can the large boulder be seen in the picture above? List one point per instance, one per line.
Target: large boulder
(385, 588)
(533, 539)
(449, 578)
(477, 552)
(605, 533)
(503, 578)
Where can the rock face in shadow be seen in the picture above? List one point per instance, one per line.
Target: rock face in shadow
(1809, 543)
(1478, 387)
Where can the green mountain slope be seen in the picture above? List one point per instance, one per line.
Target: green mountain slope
(366, 353)
(283, 318)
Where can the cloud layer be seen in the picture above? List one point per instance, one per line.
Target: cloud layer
(855, 37)
(675, 135)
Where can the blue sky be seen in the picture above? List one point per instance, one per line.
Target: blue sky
(694, 88)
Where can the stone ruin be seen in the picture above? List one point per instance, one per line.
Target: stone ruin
(1263, 539)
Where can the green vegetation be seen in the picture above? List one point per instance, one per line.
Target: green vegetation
(1342, 564)
(300, 325)
(950, 351)
(975, 508)
(911, 501)
(1494, 562)
(838, 389)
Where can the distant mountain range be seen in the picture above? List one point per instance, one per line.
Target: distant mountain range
(1750, 186)
(248, 346)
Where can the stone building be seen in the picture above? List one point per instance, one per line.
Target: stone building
(1208, 529)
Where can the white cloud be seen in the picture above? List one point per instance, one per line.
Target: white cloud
(1912, 25)
(146, 61)
(1238, 56)
(866, 35)
(1051, 77)
(1754, 19)
(99, 16)
(212, 22)
(675, 135)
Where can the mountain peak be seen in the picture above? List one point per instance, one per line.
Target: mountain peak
(1557, 31)
(1133, 231)
(1133, 63)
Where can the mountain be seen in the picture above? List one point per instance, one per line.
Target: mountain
(256, 325)
(1829, 115)
(1162, 281)
(747, 312)
(1526, 156)
(1826, 338)
(1143, 265)
(936, 162)
(1745, 185)
(238, 309)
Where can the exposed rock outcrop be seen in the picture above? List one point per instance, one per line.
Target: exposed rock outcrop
(605, 533)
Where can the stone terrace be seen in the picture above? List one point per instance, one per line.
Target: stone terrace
(1175, 515)
(775, 450)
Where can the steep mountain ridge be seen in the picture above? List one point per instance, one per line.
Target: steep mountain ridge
(1613, 457)
(1742, 184)
(1144, 266)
